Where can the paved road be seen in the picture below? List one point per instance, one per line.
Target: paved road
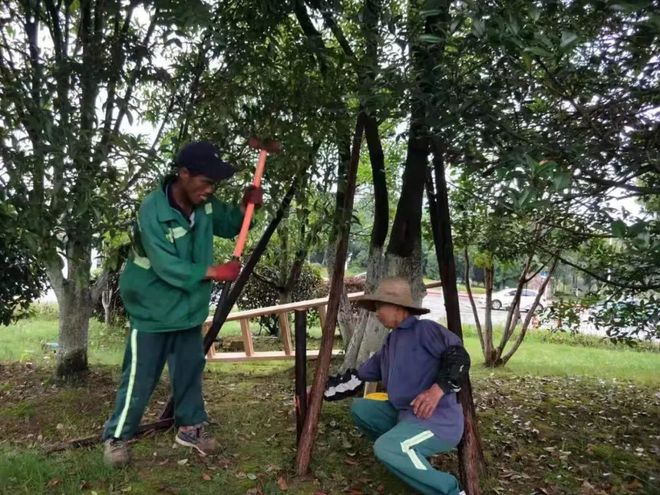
(436, 304)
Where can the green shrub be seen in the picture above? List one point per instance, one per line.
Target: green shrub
(23, 279)
(262, 291)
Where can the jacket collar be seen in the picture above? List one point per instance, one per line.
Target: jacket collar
(165, 211)
(408, 322)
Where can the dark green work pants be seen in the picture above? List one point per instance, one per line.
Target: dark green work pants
(144, 359)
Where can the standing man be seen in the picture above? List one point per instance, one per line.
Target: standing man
(166, 289)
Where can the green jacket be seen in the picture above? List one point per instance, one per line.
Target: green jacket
(162, 285)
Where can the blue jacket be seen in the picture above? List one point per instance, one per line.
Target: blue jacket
(407, 364)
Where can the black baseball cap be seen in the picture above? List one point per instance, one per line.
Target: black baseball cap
(203, 158)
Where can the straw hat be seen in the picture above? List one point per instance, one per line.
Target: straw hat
(392, 291)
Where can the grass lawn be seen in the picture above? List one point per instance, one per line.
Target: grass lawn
(607, 398)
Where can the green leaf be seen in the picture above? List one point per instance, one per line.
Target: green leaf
(430, 38)
(524, 197)
(630, 6)
(478, 27)
(537, 50)
(430, 12)
(567, 38)
(619, 229)
(534, 13)
(638, 228)
(562, 181)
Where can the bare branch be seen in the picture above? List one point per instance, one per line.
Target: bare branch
(473, 305)
(621, 184)
(339, 34)
(640, 287)
(116, 62)
(300, 10)
(530, 313)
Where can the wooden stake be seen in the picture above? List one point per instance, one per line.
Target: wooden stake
(248, 347)
(301, 370)
(310, 428)
(470, 452)
(285, 332)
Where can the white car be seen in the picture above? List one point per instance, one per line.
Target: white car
(504, 298)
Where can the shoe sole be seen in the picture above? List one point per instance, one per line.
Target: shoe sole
(189, 444)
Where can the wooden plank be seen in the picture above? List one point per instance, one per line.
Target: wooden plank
(322, 312)
(264, 356)
(205, 328)
(248, 346)
(285, 332)
(211, 353)
(286, 308)
(370, 387)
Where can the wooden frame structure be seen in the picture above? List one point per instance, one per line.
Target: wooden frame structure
(282, 311)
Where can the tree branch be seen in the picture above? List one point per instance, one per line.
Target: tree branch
(379, 177)
(473, 305)
(601, 278)
(339, 34)
(118, 52)
(621, 184)
(315, 39)
(530, 314)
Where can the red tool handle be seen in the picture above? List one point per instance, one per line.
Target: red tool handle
(249, 209)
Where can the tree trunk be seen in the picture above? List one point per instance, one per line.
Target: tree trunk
(403, 257)
(513, 315)
(369, 334)
(74, 298)
(75, 310)
(470, 452)
(530, 315)
(345, 320)
(489, 352)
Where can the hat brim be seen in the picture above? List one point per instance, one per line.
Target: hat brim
(368, 302)
(217, 171)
